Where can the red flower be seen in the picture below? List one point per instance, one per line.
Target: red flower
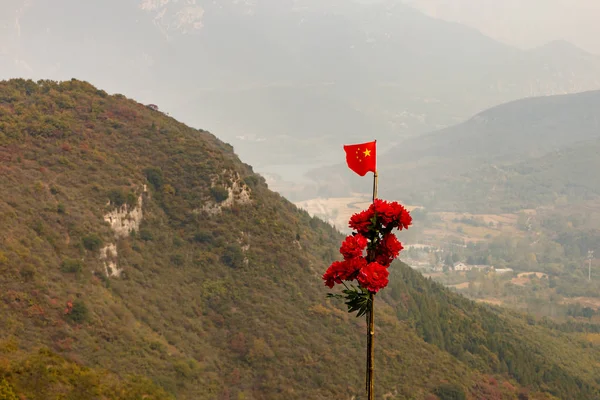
(362, 220)
(405, 220)
(331, 276)
(373, 277)
(388, 249)
(391, 214)
(353, 246)
(385, 213)
(345, 270)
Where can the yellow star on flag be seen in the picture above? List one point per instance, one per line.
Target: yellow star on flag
(367, 153)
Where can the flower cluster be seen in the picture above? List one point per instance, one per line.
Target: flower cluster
(370, 250)
(381, 215)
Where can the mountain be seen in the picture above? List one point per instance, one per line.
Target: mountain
(134, 244)
(517, 155)
(557, 178)
(286, 81)
(555, 19)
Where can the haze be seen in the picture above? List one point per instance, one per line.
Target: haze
(523, 23)
(285, 82)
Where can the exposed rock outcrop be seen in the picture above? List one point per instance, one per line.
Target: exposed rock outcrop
(123, 220)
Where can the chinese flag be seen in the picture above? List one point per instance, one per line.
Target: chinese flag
(362, 158)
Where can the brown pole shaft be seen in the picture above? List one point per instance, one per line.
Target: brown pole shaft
(375, 179)
(371, 360)
(371, 326)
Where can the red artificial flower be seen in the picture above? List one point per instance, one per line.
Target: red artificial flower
(345, 270)
(405, 220)
(388, 249)
(353, 246)
(385, 213)
(373, 277)
(391, 214)
(362, 220)
(331, 276)
(390, 245)
(354, 266)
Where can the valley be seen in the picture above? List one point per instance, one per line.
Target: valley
(516, 260)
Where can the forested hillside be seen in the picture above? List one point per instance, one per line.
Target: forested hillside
(144, 249)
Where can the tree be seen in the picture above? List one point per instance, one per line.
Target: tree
(448, 261)
(92, 242)
(233, 256)
(79, 313)
(588, 312)
(219, 193)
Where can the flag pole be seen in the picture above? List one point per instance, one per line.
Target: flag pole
(371, 323)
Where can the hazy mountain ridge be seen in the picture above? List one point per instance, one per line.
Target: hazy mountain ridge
(471, 166)
(334, 69)
(510, 21)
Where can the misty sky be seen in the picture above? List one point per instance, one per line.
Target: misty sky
(524, 23)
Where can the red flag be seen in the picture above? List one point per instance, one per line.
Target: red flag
(362, 158)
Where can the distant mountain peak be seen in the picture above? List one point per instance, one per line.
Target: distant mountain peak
(186, 16)
(563, 48)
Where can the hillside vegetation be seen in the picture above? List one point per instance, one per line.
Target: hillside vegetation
(43, 375)
(133, 244)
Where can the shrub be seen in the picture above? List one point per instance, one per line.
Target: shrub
(177, 259)
(450, 391)
(233, 256)
(131, 199)
(71, 266)
(155, 177)
(92, 242)
(6, 391)
(168, 189)
(27, 272)
(117, 197)
(146, 235)
(523, 396)
(157, 346)
(203, 237)
(252, 181)
(79, 313)
(219, 193)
